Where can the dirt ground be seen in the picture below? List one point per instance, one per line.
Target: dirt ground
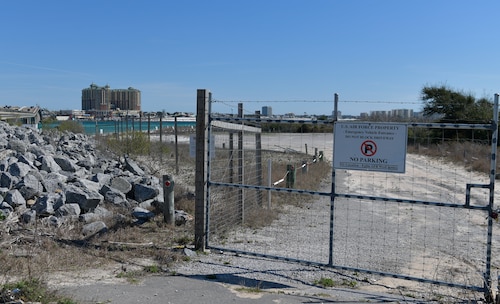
(425, 178)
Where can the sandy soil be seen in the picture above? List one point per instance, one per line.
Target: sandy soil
(411, 239)
(454, 238)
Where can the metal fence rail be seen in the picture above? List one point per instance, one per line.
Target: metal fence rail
(432, 224)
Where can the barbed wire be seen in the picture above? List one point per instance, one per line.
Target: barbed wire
(318, 101)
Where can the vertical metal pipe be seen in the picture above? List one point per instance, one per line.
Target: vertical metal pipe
(209, 157)
(258, 161)
(332, 193)
(241, 171)
(493, 166)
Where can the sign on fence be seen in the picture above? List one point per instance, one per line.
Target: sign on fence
(370, 146)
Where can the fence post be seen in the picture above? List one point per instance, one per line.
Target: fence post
(168, 200)
(149, 127)
(231, 156)
(161, 131)
(200, 212)
(290, 177)
(176, 147)
(241, 192)
(269, 182)
(258, 161)
(161, 142)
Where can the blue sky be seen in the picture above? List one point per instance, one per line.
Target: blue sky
(383, 52)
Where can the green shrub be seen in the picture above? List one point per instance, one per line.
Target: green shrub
(71, 126)
(134, 143)
(152, 269)
(325, 282)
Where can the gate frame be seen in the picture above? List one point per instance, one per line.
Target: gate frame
(203, 183)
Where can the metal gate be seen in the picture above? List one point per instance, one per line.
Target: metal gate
(264, 193)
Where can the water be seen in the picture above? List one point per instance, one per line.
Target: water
(110, 126)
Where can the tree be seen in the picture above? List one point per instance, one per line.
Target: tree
(454, 106)
(457, 107)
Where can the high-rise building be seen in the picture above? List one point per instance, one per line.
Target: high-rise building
(103, 99)
(267, 111)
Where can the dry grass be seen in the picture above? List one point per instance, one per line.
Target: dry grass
(309, 178)
(34, 251)
(473, 156)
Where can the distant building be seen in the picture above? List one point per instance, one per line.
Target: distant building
(395, 114)
(379, 115)
(339, 114)
(101, 101)
(267, 111)
(402, 113)
(71, 115)
(29, 116)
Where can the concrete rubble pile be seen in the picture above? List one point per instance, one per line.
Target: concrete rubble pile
(60, 177)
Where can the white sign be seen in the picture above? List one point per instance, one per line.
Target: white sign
(370, 146)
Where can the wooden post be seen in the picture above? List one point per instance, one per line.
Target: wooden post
(161, 130)
(176, 147)
(202, 112)
(149, 127)
(126, 125)
(290, 177)
(269, 182)
(168, 200)
(161, 144)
